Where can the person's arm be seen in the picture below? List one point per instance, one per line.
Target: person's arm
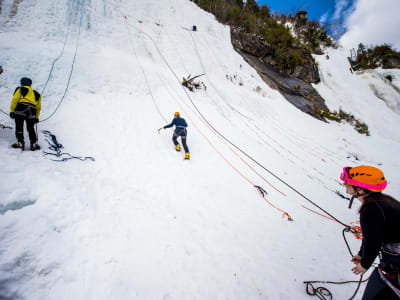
(185, 124)
(15, 98)
(170, 125)
(38, 105)
(372, 226)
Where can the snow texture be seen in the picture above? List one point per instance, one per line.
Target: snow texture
(142, 223)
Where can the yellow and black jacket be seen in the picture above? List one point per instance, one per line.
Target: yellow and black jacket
(28, 96)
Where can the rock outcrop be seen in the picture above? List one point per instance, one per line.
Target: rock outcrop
(391, 62)
(294, 85)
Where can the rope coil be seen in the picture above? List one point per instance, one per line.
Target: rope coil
(55, 146)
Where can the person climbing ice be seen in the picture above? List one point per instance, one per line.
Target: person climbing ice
(180, 131)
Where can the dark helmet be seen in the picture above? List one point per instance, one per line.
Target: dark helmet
(26, 81)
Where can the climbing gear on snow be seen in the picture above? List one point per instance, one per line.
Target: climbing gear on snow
(365, 177)
(55, 146)
(5, 126)
(263, 193)
(178, 148)
(187, 155)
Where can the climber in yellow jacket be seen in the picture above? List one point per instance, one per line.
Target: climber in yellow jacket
(25, 107)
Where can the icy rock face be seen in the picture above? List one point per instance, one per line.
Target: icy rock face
(295, 87)
(258, 47)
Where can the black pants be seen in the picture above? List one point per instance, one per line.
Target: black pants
(180, 132)
(25, 113)
(377, 289)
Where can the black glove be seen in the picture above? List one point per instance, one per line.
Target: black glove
(12, 115)
(36, 120)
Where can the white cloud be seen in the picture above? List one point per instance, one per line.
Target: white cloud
(340, 6)
(324, 18)
(373, 22)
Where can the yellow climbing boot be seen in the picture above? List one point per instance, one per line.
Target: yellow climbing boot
(178, 148)
(187, 155)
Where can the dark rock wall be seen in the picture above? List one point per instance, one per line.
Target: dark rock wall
(295, 86)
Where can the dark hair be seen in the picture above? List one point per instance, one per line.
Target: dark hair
(380, 198)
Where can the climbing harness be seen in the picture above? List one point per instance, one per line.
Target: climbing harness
(382, 274)
(55, 146)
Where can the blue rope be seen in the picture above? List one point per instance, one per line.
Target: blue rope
(56, 59)
(72, 68)
(56, 147)
(62, 50)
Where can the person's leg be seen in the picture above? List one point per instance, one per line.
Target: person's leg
(19, 128)
(377, 289)
(30, 126)
(183, 138)
(174, 139)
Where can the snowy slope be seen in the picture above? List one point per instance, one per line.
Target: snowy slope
(140, 222)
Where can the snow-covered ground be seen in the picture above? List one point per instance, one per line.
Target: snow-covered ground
(140, 222)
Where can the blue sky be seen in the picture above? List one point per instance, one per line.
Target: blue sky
(371, 22)
(320, 10)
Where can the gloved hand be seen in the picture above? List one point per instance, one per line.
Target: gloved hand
(36, 120)
(12, 115)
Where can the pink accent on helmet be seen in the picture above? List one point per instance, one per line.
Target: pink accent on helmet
(378, 187)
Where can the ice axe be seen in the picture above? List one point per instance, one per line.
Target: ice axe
(158, 130)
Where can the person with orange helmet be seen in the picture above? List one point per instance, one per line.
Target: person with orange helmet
(380, 225)
(180, 131)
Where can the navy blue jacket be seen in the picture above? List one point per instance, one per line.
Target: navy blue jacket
(178, 122)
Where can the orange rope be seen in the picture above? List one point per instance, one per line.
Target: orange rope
(315, 212)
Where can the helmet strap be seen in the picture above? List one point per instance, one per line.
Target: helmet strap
(351, 201)
(358, 195)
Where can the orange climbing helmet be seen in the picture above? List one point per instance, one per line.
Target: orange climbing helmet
(176, 114)
(365, 177)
